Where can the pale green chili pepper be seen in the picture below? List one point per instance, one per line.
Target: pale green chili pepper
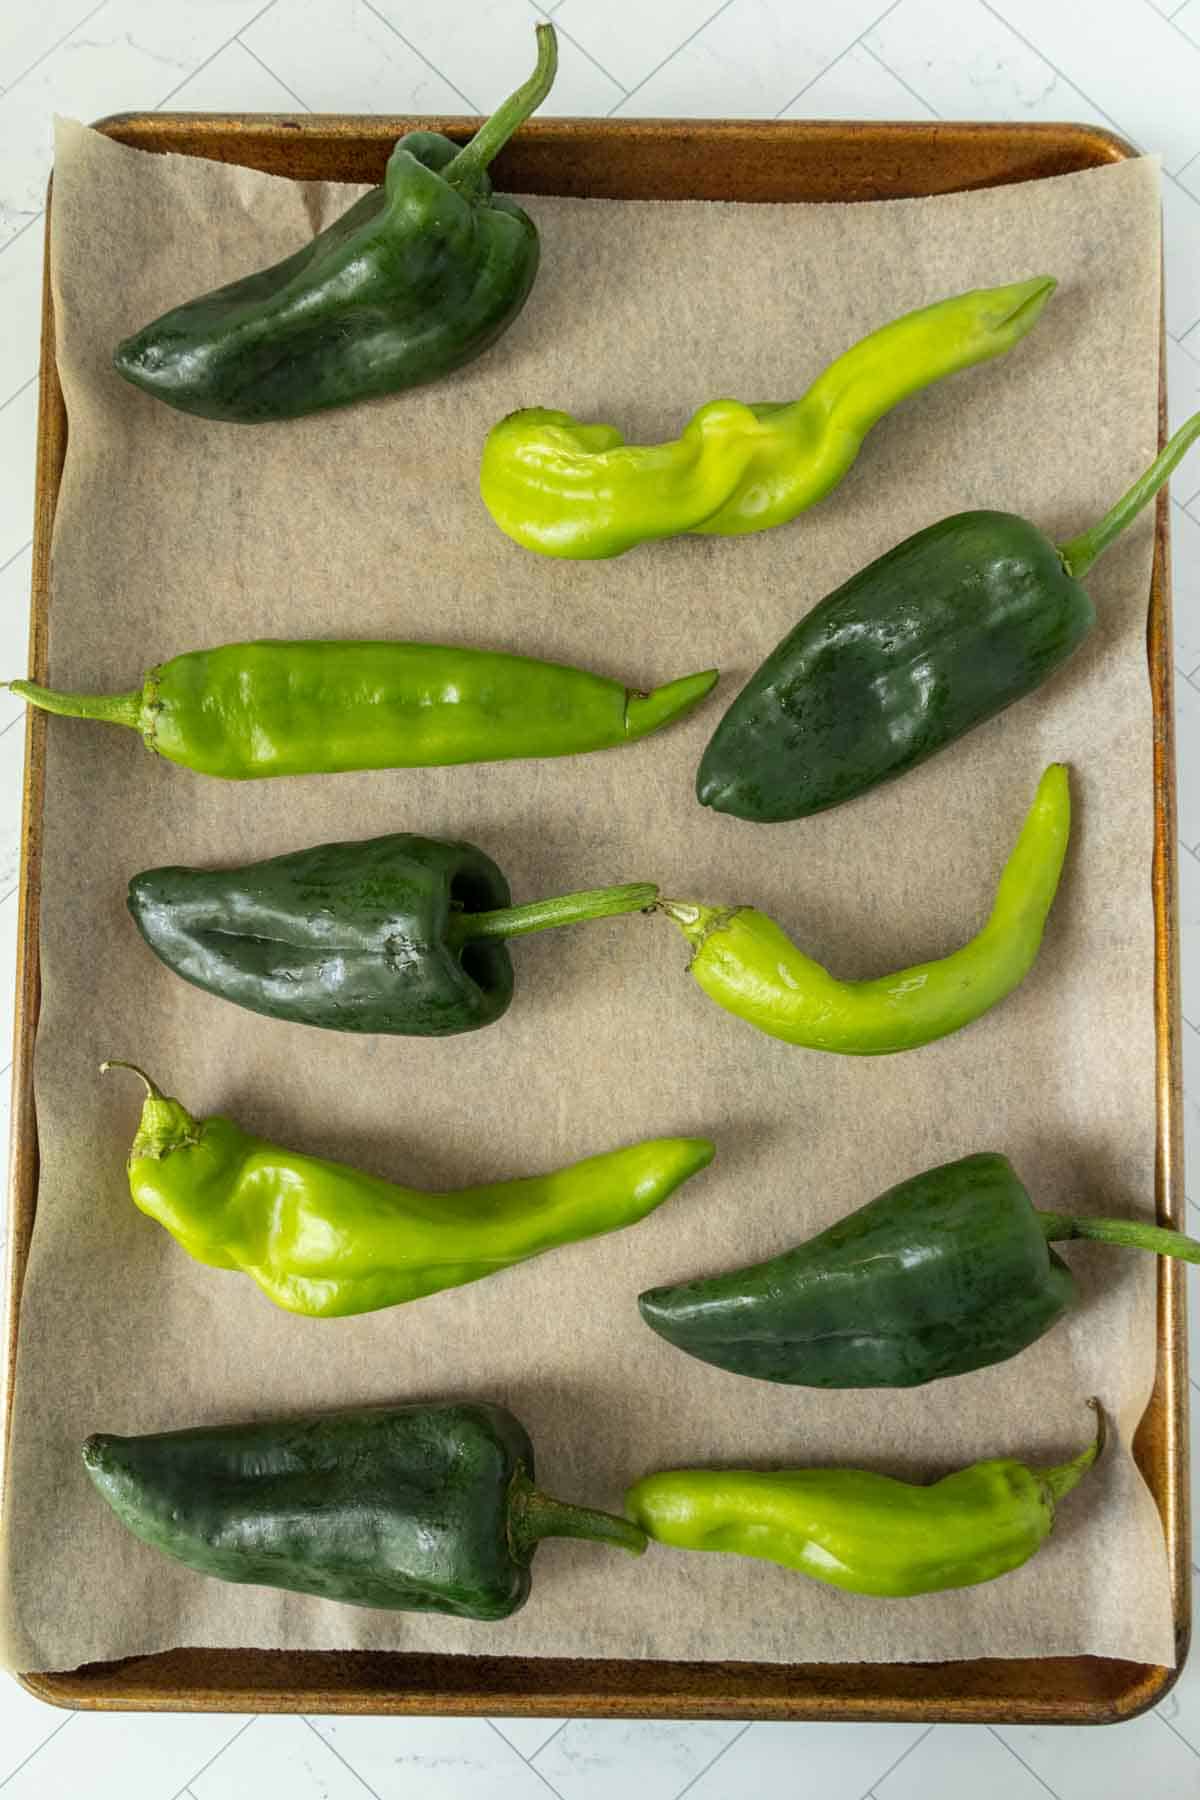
(863, 1532)
(748, 965)
(578, 490)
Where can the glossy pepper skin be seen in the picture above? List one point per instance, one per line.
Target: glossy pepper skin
(411, 1508)
(576, 490)
(326, 1240)
(397, 934)
(416, 279)
(863, 1532)
(949, 1271)
(315, 706)
(929, 640)
(748, 965)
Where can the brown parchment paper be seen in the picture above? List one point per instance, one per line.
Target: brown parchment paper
(173, 533)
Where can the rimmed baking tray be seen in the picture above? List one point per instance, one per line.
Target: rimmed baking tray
(662, 160)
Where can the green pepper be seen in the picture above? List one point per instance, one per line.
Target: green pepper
(748, 965)
(947, 1272)
(866, 1533)
(934, 637)
(325, 1240)
(413, 1508)
(419, 277)
(397, 934)
(577, 490)
(314, 707)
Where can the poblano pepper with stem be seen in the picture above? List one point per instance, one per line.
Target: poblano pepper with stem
(863, 1532)
(398, 934)
(747, 964)
(313, 706)
(326, 1240)
(416, 279)
(949, 1271)
(932, 638)
(427, 1508)
(577, 490)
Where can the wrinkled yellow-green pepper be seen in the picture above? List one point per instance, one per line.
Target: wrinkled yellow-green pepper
(578, 490)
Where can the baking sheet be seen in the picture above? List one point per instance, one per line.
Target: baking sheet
(174, 532)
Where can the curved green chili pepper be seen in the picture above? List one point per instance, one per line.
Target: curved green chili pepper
(326, 1240)
(940, 633)
(414, 1508)
(399, 934)
(419, 277)
(574, 490)
(946, 1272)
(863, 1532)
(748, 965)
(313, 706)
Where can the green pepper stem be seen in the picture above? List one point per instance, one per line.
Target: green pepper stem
(533, 1516)
(1061, 1480)
(1082, 551)
(1133, 1232)
(113, 709)
(495, 132)
(115, 1062)
(538, 915)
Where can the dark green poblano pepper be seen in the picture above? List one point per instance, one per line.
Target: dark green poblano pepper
(412, 1508)
(397, 934)
(419, 277)
(949, 1271)
(938, 634)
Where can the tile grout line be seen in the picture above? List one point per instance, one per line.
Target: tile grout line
(16, 395)
(269, 70)
(1063, 76)
(821, 73)
(584, 51)
(33, 219)
(24, 547)
(192, 73)
(38, 60)
(204, 1767)
(700, 1773)
(408, 45)
(528, 1761)
(321, 1735)
(690, 39)
(562, 1726)
(1021, 1760)
(1170, 18)
(906, 85)
(24, 1763)
(1178, 1734)
(892, 1767)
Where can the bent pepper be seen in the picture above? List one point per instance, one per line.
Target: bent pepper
(398, 934)
(748, 965)
(577, 490)
(313, 707)
(412, 1508)
(947, 1272)
(866, 1533)
(937, 635)
(325, 1240)
(418, 278)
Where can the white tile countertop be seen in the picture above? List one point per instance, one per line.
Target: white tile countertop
(1133, 65)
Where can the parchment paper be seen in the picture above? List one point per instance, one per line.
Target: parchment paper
(174, 533)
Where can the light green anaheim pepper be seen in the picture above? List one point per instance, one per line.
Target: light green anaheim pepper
(864, 1532)
(577, 490)
(747, 964)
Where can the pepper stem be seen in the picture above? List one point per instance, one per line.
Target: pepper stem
(538, 915)
(165, 1124)
(533, 1516)
(113, 709)
(114, 1062)
(495, 132)
(1082, 551)
(1061, 1480)
(1132, 1232)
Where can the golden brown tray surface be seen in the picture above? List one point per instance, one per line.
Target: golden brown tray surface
(648, 159)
